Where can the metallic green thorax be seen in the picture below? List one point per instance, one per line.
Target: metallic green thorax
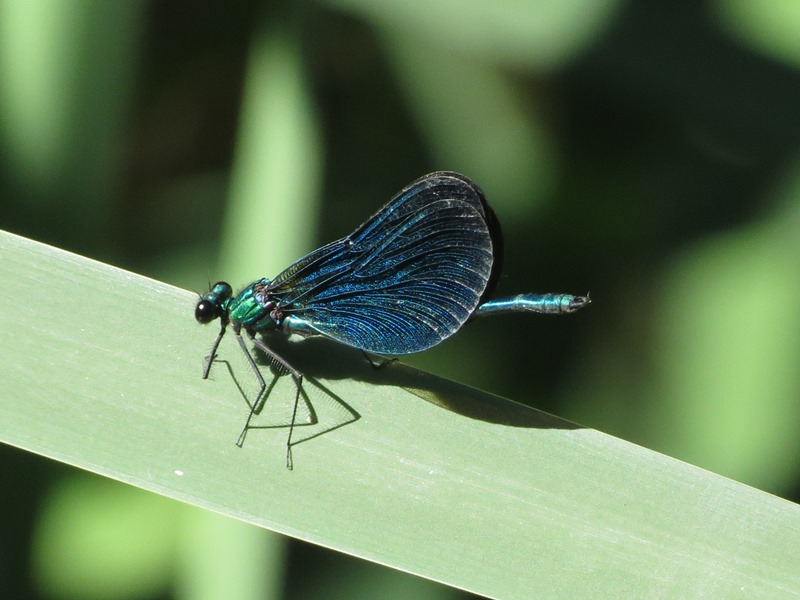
(250, 309)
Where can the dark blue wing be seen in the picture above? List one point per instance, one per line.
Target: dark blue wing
(406, 279)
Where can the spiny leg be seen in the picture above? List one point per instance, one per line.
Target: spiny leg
(285, 369)
(298, 382)
(210, 358)
(262, 386)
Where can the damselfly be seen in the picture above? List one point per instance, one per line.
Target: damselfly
(409, 277)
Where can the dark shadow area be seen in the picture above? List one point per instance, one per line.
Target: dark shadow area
(21, 506)
(311, 419)
(320, 358)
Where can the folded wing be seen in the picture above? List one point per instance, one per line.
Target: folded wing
(406, 279)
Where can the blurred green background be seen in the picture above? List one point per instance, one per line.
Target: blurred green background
(646, 152)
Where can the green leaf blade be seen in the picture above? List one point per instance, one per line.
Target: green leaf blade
(101, 370)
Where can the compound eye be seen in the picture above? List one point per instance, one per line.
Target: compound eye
(206, 311)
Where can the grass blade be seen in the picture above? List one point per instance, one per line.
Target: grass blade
(101, 370)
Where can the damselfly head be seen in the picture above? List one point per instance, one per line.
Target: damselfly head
(213, 303)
